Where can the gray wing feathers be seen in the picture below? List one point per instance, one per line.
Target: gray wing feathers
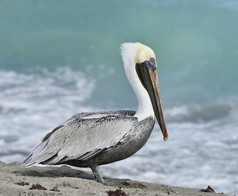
(30, 161)
(81, 139)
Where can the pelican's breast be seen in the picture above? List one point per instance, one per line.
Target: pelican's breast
(133, 141)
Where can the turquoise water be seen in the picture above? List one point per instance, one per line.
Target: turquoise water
(60, 57)
(195, 43)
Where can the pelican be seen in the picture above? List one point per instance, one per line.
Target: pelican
(98, 138)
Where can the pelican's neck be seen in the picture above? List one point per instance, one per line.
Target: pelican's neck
(145, 108)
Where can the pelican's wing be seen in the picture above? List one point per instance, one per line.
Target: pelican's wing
(82, 137)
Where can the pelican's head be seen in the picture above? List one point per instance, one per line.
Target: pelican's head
(141, 69)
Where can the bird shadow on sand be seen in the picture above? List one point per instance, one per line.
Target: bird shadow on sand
(63, 171)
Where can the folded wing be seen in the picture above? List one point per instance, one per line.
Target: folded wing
(82, 137)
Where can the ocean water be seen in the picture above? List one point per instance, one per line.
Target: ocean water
(59, 58)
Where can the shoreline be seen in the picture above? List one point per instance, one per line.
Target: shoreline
(15, 179)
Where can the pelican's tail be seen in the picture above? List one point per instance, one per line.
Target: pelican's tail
(38, 155)
(28, 162)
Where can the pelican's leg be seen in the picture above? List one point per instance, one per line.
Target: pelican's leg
(96, 174)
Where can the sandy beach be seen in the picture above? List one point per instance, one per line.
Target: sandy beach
(15, 179)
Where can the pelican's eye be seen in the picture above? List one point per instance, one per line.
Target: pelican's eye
(152, 60)
(151, 63)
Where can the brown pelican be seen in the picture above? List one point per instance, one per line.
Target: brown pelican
(92, 139)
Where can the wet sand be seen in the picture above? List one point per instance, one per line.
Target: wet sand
(15, 179)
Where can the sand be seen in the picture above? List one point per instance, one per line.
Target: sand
(15, 179)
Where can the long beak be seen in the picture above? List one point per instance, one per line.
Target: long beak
(148, 76)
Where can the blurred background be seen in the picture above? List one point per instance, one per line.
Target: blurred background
(58, 58)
